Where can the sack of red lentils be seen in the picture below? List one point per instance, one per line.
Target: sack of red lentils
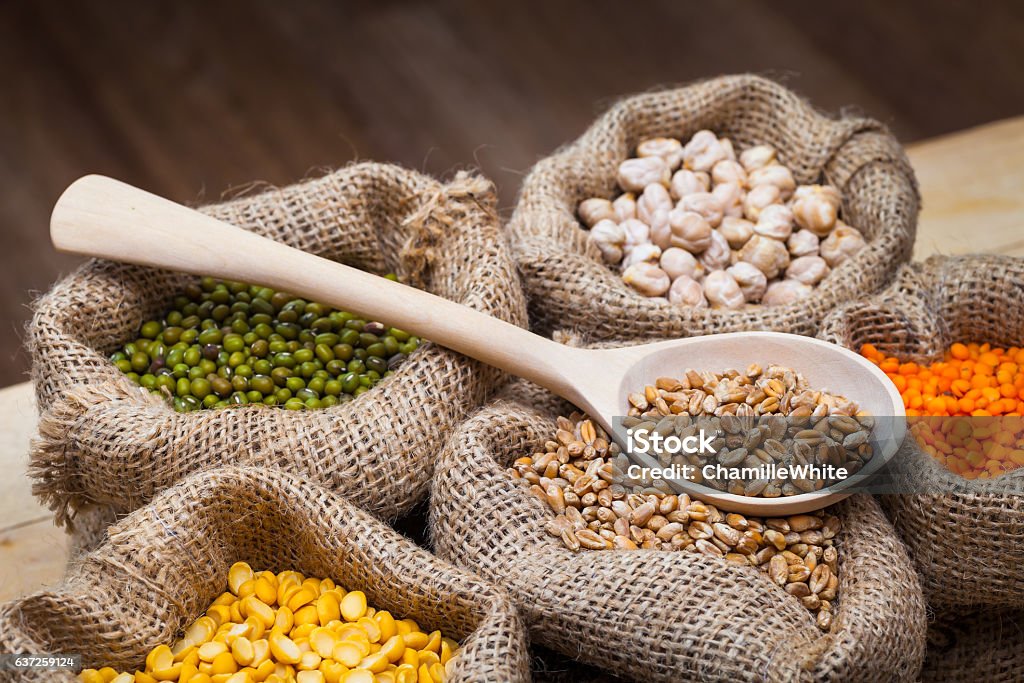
(961, 533)
(162, 567)
(103, 440)
(986, 645)
(806, 212)
(651, 615)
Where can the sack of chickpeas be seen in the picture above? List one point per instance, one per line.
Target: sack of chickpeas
(235, 373)
(949, 332)
(262, 574)
(723, 206)
(982, 646)
(820, 596)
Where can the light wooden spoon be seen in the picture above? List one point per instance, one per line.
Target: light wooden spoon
(102, 217)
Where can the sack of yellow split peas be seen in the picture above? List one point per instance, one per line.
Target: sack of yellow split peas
(249, 575)
(950, 335)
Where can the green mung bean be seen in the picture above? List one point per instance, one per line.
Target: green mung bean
(228, 343)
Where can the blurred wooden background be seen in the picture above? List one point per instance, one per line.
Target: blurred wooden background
(190, 99)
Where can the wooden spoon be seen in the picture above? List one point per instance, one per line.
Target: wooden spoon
(102, 217)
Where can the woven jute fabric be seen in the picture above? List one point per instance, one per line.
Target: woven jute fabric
(961, 534)
(666, 616)
(90, 529)
(103, 440)
(569, 287)
(986, 645)
(162, 566)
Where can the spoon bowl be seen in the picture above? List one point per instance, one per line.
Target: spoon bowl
(102, 217)
(825, 366)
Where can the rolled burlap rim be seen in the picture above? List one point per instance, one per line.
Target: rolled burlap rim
(104, 441)
(162, 566)
(662, 616)
(963, 542)
(569, 287)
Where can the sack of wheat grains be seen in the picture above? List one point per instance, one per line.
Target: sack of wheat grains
(103, 440)
(960, 533)
(570, 287)
(652, 615)
(162, 566)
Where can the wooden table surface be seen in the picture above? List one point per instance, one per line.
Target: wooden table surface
(971, 184)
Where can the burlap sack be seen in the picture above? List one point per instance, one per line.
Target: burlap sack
(666, 616)
(569, 287)
(163, 565)
(984, 646)
(103, 440)
(964, 542)
(90, 529)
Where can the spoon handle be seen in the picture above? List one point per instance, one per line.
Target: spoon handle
(105, 218)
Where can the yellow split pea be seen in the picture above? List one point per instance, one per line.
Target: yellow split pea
(286, 628)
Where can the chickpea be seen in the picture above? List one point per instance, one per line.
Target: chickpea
(758, 199)
(816, 208)
(757, 157)
(785, 292)
(642, 252)
(730, 153)
(809, 270)
(669, 149)
(705, 204)
(661, 231)
(777, 175)
(775, 221)
(610, 239)
(703, 151)
(637, 232)
(686, 291)
(752, 281)
(736, 231)
(766, 254)
(625, 206)
(843, 243)
(722, 290)
(689, 230)
(718, 253)
(679, 262)
(647, 279)
(636, 174)
(655, 199)
(686, 182)
(803, 243)
(729, 171)
(730, 196)
(594, 210)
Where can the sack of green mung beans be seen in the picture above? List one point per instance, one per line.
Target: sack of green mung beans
(160, 569)
(960, 532)
(726, 205)
(104, 440)
(654, 615)
(986, 645)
